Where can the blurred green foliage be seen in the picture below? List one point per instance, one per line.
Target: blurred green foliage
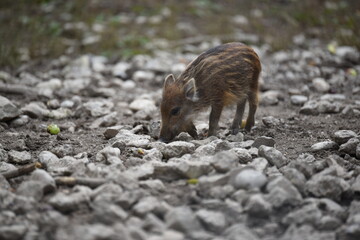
(43, 29)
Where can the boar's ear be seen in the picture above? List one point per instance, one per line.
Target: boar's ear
(190, 90)
(170, 79)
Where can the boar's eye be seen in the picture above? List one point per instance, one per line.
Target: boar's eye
(175, 111)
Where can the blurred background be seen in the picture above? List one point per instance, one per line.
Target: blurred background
(43, 29)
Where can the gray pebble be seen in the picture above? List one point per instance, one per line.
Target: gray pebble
(263, 140)
(7, 109)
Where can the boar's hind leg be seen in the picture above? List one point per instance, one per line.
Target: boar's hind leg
(235, 127)
(215, 114)
(253, 99)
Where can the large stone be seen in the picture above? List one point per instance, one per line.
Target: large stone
(7, 109)
(275, 157)
(327, 186)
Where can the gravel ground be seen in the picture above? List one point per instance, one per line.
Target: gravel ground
(105, 175)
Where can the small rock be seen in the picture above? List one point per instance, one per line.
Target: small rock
(243, 155)
(143, 104)
(257, 206)
(47, 181)
(270, 97)
(204, 150)
(105, 121)
(13, 232)
(174, 149)
(20, 121)
(239, 137)
(274, 156)
(224, 161)
(310, 108)
(31, 189)
(109, 155)
(298, 100)
(305, 231)
(348, 53)
(358, 151)
(270, 121)
(320, 85)
(350, 146)
(36, 110)
(282, 193)
(183, 136)
(248, 178)
(182, 219)
(143, 76)
(326, 145)
(329, 223)
(342, 136)
(19, 157)
(131, 139)
(263, 140)
(111, 132)
(146, 205)
(69, 202)
(328, 107)
(7, 109)
(239, 231)
(308, 214)
(295, 177)
(327, 186)
(213, 221)
(63, 150)
(3, 155)
(121, 70)
(98, 108)
(4, 184)
(153, 155)
(259, 163)
(108, 213)
(154, 129)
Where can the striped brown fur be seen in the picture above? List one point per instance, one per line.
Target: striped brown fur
(225, 75)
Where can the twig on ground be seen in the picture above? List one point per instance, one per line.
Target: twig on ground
(21, 170)
(72, 181)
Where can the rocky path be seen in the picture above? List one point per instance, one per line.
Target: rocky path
(105, 175)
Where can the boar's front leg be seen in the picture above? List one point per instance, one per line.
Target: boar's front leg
(191, 129)
(215, 114)
(238, 117)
